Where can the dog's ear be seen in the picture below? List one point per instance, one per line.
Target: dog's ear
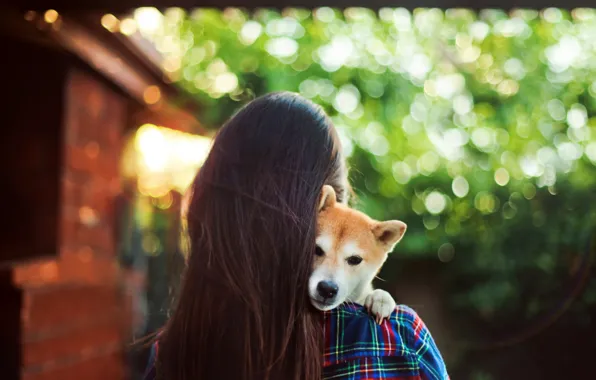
(389, 233)
(327, 197)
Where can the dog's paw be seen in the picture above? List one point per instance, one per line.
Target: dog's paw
(380, 304)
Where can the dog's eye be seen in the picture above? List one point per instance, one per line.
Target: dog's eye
(319, 251)
(354, 260)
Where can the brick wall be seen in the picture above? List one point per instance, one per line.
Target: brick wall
(74, 318)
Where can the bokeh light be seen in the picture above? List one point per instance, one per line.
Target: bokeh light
(162, 159)
(110, 22)
(50, 16)
(128, 27)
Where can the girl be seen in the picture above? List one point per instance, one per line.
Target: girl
(243, 311)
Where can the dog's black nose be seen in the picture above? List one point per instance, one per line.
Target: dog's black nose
(327, 289)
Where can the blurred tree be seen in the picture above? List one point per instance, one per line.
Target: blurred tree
(478, 130)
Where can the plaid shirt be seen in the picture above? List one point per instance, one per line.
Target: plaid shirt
(401, 347)
(356, 348)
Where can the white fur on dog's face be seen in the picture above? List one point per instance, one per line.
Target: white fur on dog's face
(351, 249)
(333, 266)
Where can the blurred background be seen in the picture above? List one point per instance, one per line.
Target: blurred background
(476, 128)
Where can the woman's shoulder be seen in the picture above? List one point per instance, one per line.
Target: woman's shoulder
(351, 331)
(400, 341)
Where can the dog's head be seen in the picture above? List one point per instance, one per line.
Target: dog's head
(351, 248)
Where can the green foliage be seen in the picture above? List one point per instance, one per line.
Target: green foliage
(478, 130)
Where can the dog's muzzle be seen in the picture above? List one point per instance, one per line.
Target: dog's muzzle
(327, 290)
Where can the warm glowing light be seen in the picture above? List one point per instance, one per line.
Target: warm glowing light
(152, 95)
(110, 22)
(151, 144)
(148, 19)
(165, 159)
(128, 27)
(50, 16)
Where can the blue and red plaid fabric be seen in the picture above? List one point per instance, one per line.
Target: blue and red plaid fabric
(401, 347)
(357, 348)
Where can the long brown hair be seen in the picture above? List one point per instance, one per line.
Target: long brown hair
(243, 310)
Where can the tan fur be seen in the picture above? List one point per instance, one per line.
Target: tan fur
(347, 224)
(345, 232)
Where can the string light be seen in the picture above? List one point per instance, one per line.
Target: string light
(110, 22)
(148, 19)
(128, 27)
(50, 16)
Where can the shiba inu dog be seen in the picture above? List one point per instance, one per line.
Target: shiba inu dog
(351, 248)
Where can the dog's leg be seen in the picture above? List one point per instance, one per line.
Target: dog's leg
(380, 304)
